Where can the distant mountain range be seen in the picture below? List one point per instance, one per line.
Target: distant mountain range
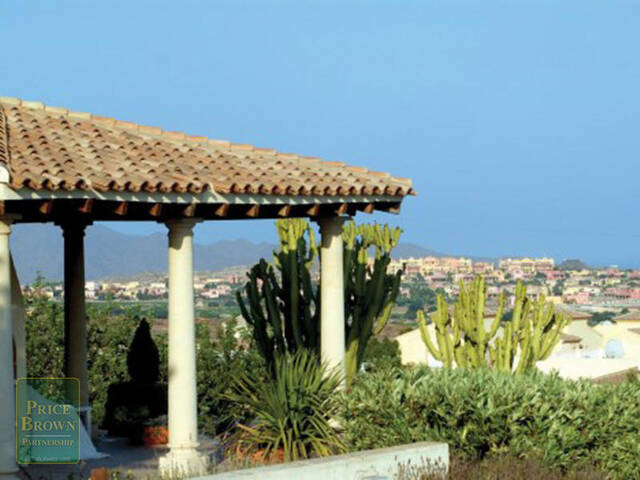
(108, 253)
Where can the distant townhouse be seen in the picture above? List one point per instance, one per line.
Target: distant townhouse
(527, 265)
(579, 298)
(482, 268)
(91, 290)
(427, 266)
(555, 274)
(395, 266)
(157, 289)
(210, 293)
(622, 293)
(463, 277)
(412, 267)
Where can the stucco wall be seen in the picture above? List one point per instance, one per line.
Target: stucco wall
(381, 464)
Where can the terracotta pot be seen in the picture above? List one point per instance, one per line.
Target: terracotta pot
(99, 474)
(155, 435)
(258, 458)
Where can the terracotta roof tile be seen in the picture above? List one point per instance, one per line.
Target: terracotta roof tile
(50, 148)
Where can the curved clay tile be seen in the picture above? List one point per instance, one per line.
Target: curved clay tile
(178, 188)
(116, 186)
(82, 150)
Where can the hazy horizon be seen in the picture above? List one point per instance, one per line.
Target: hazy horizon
(203, 241)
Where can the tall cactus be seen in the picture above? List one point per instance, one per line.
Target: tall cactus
(463, 338)
(370, 292)
(283, 306)
(530, 335)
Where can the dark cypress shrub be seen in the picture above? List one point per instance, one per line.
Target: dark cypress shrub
(143, 360)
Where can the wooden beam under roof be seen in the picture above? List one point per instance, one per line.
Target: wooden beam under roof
(253, 211)
(156, 210)
(95, 209)
(190, 210)
(87, 206)
(121, 208)
(222, 210)
(390, 208)
(368, 208)
(284, 211)
(314, 210)
(46, 207)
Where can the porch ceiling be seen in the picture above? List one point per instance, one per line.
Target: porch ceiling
(58, 163)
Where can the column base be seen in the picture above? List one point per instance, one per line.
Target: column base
(183, 462)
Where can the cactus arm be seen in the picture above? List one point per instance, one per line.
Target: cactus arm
(479, 294)
(351, 361)
(255, 317)
(553, 337)
(426, 338)
(243, 309)
(497, 321)
(309, 319)
(273, 316)
(390, 301)
(294, 298)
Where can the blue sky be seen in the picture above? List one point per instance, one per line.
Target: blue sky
(518, 121)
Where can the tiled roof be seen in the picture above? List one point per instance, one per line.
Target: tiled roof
(574, 314)
(49, 148)
(632, 316)
(568, 338)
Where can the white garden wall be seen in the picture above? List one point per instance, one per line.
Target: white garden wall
(379, 464)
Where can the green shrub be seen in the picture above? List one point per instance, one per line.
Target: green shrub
(110, 331)
(108, 337)
(44, 337)
(293, 410)
(482, 413)
(381, 354)
(222, 358)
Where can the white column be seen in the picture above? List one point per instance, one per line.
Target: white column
(183, 458)
(8, 466)
(332, 341)
(75, 313)
(19, 326)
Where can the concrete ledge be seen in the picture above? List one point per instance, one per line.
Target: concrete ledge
(380, 464)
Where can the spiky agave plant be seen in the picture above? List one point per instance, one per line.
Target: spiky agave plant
(293, 409)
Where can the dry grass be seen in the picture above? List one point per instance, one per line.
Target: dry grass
(497, 468)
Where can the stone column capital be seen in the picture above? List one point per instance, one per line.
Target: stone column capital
(73, 227)
(5, 227)
(331, 225)
(184, 225)
(179, 229)
(5, 223)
